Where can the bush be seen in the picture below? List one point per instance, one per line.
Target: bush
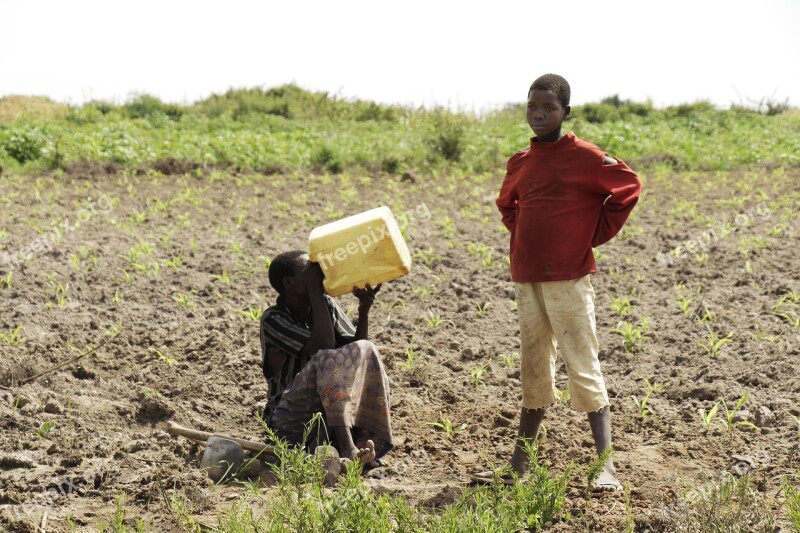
(145, 106)
(728, 504)
(792, 494)
(447, 138)
(26, 144)
(324, 158)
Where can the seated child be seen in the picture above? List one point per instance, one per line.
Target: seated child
(316, 361)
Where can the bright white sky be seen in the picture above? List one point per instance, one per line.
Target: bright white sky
(471, 55)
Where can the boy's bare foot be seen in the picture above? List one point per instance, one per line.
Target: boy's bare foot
(607, 482)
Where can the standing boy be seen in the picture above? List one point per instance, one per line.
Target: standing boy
(560, 198)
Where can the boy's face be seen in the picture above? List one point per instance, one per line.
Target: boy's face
(545, 115)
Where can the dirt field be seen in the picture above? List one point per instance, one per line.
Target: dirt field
(150, 269)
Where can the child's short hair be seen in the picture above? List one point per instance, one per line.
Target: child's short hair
(282, 266)
(555, 83)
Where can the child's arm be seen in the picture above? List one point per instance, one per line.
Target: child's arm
(322, 337)
(366, 297)
(507, 199)
(622, 187)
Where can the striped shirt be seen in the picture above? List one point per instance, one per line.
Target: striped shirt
(282, 330)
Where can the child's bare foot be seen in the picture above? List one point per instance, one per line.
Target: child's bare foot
(363, 455)
(367, 454)
(607, 481)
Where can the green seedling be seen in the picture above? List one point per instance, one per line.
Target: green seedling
(411, 361)
(117, 298)
(701, 258)
(112, 330)
(708, 416)
(714, 343)
(476, 375)
(621, 305)
(61, 294)
(483, 251)
(433, 320)
(396, 304)
(730, 414)
(83, 260)
(252, 313)
(446, 425)
(5, 281)
(563, 396)
(616, 275)
(164, 357)
(12, 337)
(483, 308)
(684, 304)
(787, 309)
(705, 315)
(633, 335)
(793, 417)
(423, 292)
(763, 335)
(126, 278)
(223, 278)
(176, 262)
(426, 256)
(183, 300)
(138, 217)
(448, 227)
(642, 404)
(45, 428)
(152, 268)
(510, 359)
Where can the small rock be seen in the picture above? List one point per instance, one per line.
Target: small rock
(155, 408)
(21, 401)
(742, 416)
(765, 417)
(15, 460)
(53, 408)
(501, 421)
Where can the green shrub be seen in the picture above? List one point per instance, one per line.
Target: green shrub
(447, 136)
(25, 144)
(729, 504)
(792, 495)
(324, 158)
(145, 106)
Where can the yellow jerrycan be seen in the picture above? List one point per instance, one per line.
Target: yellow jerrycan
(362, 249)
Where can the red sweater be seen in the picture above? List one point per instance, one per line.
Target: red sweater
(559, 200)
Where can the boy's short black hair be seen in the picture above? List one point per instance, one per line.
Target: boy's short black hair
(282, 266)
(555, 83)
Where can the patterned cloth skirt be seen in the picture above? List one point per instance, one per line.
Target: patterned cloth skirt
(349, 387)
